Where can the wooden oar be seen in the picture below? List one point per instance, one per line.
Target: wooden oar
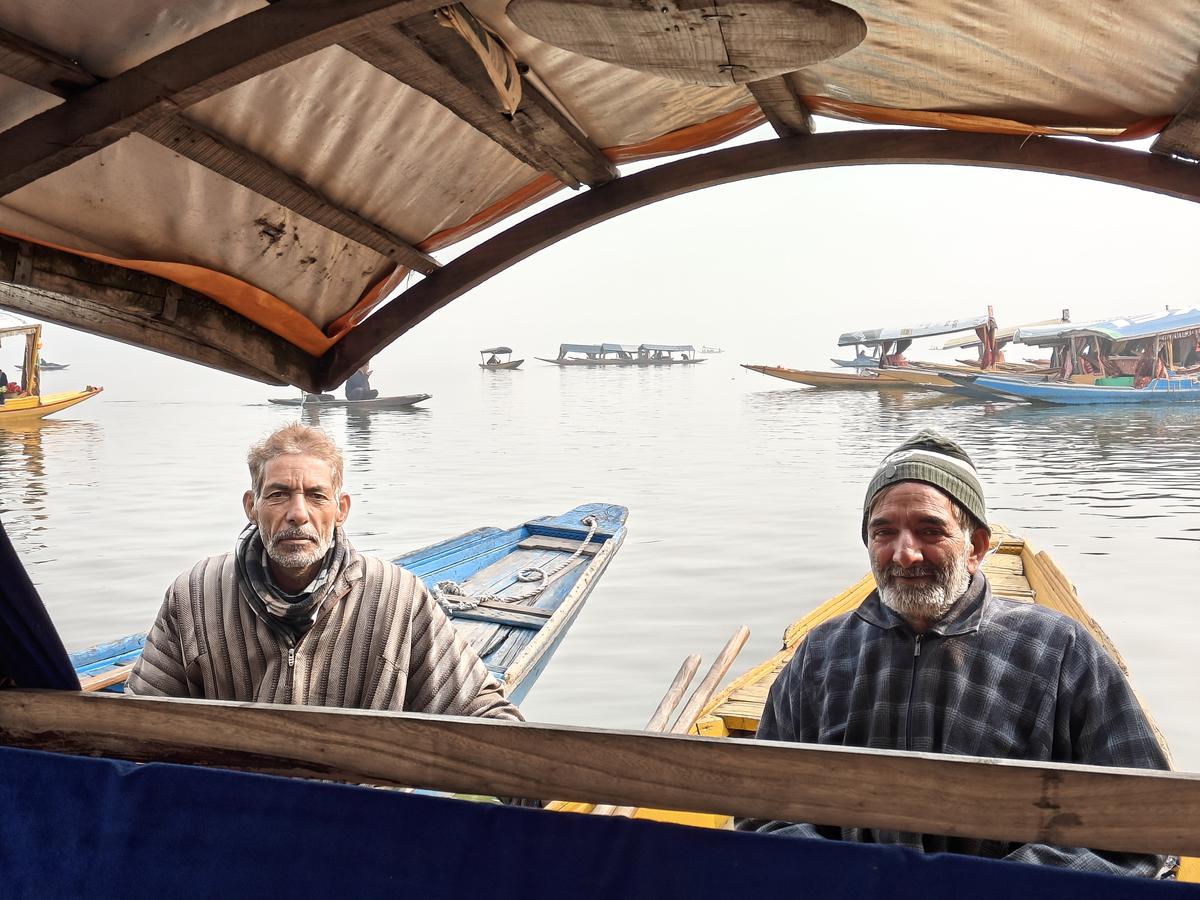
(699, 699)
(658, 721)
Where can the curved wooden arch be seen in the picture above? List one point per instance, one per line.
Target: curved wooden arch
(1060, 156)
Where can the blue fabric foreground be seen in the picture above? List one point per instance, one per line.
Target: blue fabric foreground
(31, 652)
(76, 827)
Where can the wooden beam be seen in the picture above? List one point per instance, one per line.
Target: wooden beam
(239, 165)
(1063, 156)
(193, 71)
(438, 63)
(1182, 136)
(41, 68)
(1064, 805)
(146, 311)
(787, 113)
(23, 60)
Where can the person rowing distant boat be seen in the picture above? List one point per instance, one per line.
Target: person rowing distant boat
(295, 615)
(932, 662)
(358, 385)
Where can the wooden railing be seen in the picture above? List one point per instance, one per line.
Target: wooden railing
(1088, 806)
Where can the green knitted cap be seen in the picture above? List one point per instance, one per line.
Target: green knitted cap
(935, 460)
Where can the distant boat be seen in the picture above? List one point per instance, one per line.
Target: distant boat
(711, 350)
(594, 355)
(311, 401)
(667, 355)
(47, 366)
(31, 403)
(1185, 389)
(515, 638)
(495, 353)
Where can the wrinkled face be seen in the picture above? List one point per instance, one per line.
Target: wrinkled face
(921, 557)
(296, 512)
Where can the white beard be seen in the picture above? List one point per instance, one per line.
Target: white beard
(297, 559)
(929, 602)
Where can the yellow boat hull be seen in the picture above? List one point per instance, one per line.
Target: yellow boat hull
(27, 409)
(828, 379)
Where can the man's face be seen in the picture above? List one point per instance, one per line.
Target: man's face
(296, 513)
(921, 558)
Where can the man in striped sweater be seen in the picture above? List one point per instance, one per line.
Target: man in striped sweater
(295, 615)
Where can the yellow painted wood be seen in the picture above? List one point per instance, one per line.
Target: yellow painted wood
(26, 409)
(1189, 869)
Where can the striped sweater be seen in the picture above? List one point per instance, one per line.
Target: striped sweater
(381, 642)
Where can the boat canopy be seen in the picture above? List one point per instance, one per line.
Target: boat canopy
(205, 179)
(1168, 323)
(1003, 335)
(932, 329)
(619, 348)
(666, 348)
(497, 350)
(589, 349)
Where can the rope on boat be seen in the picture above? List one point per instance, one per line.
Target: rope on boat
(453, 597)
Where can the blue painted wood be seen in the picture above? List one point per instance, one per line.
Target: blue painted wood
(1159, 390)
(483, 560)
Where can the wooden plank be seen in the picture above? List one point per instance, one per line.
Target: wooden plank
(446, 70)
(239, 165)
(1063, 156)
(513, 617)
(23, 60)
(1181, 137)
(782, 106)
(186, 74)
(109, 677)
(147, 311)
(542, 542)
(1073, 806)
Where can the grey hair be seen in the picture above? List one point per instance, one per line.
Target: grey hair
(294, 439)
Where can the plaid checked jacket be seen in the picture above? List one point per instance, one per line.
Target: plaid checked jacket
(994, 678)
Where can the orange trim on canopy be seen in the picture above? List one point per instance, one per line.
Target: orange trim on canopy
(255, 304)
(538, 189)
(693, 137)
(880, 115)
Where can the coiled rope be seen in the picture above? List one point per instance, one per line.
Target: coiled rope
(453, 597)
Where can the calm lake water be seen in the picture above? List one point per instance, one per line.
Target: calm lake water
(744, 495)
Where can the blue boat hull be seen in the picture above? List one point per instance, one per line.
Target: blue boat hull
(1160, 390)
(516, 643)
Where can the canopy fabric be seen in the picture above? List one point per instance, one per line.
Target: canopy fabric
(589, 349)
(293, 162)
(1003, 335)
(497, 350)
(667, 348)
(1171, 322)
(78, 826)
(932, 329)
(620, 348)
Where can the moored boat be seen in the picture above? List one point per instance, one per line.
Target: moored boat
(667, 355)
(1177, 389)
(866, 379)
(402, 401)
(30, 403)
(498, 358)
(594, 355)
(514, 625)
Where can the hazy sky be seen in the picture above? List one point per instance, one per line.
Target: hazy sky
(772, 270)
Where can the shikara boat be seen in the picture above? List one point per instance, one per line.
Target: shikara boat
(401, 401)
(501, 355)
(869, 380)
(1185, 389)
(206, 180)
(31, 403)
(47, 366)
(515, 637)
(594, 355)
(667, 355)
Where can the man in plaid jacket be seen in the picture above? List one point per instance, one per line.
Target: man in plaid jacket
(932, 662)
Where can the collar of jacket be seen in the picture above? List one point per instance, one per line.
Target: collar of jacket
(962, 618)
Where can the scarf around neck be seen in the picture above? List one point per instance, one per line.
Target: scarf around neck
(288, 615)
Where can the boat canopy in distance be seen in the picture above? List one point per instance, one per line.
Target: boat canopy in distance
(666, 348)
(497, 350)
(589, 349)
(265, 187)
(1173, 323)
(619, 348)
(932, 329)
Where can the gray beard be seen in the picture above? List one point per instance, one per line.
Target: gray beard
(930, 602)
(297, 559)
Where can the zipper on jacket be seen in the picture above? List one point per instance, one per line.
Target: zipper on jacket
(912, 687)
(291, 657)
